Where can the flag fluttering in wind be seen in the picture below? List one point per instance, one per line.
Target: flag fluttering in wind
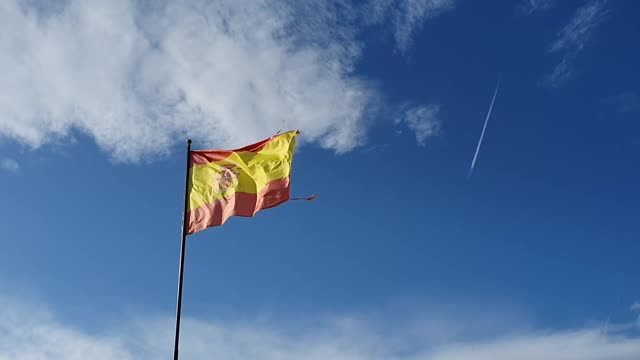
(240, 182)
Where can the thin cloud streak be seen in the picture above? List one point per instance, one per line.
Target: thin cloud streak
(573, 38)
(528, 7)
(406, 17)
(577, 33)
(626, 102)
(484, 128)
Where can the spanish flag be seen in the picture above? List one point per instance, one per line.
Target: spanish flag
(240, 182)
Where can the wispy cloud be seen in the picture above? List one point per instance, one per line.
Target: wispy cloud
(31, 332)
(406, 17)
(584, 344)
(626, 102)
(529, 7)
(10, 165)
(423, 120)
(635, 307)
(577, 33)
(561, 73)
(573, 38)
(139, 77)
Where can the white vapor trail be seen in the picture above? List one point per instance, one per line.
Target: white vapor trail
(484, 128)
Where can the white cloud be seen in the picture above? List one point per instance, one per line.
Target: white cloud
(529, 7)
(635, 307)
(574, 37)
(28, 331)
(10, 165)
(407, 17)
(139, 77)
(423, 120)
(576, 34)
(584, 344)
(561, 73)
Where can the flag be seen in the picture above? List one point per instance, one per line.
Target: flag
(240, 182)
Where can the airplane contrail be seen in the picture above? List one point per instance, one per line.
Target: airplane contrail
(484, 128)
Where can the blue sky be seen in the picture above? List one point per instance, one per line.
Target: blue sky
(402, 257)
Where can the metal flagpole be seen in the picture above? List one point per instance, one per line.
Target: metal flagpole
(182, 250)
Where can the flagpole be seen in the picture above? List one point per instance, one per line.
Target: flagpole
(182, 250)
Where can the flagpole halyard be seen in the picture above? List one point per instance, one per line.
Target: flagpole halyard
(182, 251)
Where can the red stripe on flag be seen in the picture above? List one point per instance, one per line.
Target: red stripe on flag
(200, 157)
